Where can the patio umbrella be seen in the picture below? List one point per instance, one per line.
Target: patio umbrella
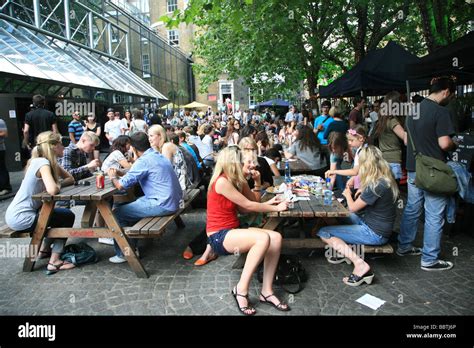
(195, 105)
(170, 106)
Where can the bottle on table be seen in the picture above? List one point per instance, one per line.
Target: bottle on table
(287, 172)
(328, 184)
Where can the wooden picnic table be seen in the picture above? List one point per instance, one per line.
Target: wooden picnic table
(95, 199)
(314, 208)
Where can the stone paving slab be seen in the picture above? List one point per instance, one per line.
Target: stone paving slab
(177, 287)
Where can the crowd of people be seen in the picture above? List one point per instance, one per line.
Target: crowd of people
(238, 153)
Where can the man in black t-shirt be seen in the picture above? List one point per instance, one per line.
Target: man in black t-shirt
(431, 132)
(37, 121)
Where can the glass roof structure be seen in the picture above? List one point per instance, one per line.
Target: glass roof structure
(27, 53)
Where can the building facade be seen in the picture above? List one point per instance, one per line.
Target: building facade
(182, 37)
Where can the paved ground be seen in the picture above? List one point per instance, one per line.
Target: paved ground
(176, 287)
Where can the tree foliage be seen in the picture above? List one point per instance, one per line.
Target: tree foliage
(276, 44)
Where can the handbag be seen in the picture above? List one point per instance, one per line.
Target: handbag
(433, 175)
(290, 274)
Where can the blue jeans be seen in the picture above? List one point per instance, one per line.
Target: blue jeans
(130, 213)
(355, 231)
(396, 170)
(435, 208)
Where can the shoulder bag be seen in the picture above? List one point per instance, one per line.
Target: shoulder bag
(433, 175)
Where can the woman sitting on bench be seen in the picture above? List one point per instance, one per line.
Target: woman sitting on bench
(43, 172)
(376, 200)
(229, 191)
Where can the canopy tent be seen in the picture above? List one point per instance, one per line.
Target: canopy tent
(381, 71)
(195, 105)
(274, 102)
(454, 59)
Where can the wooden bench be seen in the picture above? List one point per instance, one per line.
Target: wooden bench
(316, 243)
(154, 227)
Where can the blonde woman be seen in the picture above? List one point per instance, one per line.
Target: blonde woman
(229, 193)
(43, 173)
(159, 141)
(376, 203)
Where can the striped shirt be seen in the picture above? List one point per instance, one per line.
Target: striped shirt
(77, 128)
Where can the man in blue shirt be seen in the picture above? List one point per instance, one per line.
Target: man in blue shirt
(155, 174)
(322, 122)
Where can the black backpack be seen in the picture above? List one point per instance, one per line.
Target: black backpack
(79, 254)
(290, 274)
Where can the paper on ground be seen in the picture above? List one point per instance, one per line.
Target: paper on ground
(370, 301)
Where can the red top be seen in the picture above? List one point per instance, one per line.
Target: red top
(221, 212)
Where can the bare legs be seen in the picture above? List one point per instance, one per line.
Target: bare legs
(360, 266)
(259, 245)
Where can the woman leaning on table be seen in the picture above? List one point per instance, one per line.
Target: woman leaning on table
(375, 205)
(229, 193)
(43, 173)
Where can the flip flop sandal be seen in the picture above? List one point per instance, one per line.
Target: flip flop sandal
(53, 271)
(278, 306)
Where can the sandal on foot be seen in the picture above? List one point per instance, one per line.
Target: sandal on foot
(53, 271)
(278, 306)
(355, 280)
(243, 309)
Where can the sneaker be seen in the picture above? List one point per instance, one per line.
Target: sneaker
(117, 259)
(335, 260)
(4, 192)
(439, 266)
(412, 252)
(108, 241)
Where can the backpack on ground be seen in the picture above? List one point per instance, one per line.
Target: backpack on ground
(79, 254)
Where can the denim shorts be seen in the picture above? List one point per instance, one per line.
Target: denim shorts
(216, 241)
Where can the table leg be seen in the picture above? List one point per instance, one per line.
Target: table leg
(271, 225)
(38, 235)
(88, 216)
(121, 239)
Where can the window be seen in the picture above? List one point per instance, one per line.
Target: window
(251, 98)
(173, 37)
(172, 5)
(146, 65)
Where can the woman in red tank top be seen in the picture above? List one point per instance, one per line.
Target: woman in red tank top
(229, 192)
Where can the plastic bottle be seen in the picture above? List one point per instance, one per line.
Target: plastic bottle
(287, 172)
(328, 184)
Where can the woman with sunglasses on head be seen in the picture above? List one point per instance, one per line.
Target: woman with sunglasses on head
(229, 193)
(265, 179)
(373, 214)
(43, 173)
